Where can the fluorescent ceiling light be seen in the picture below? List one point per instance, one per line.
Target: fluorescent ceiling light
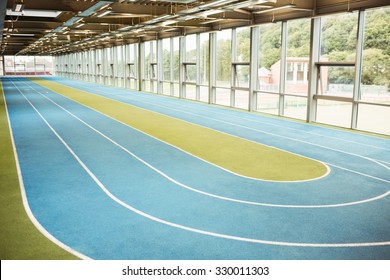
(79, 25)
(101, 5)
(211, 21)
(23, 35)
(18, 7)
(125, 28)
(216, 3)
(247, 3)
(104, 13)
(289, 6)
(168, 22)
(33, 13)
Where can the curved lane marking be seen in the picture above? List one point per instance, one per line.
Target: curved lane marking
(175, 225)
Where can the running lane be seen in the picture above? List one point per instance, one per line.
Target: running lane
(129, 210)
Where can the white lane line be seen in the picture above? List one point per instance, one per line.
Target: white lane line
(141, 95)
(268, 133)
(166, 176)
(253, 129)
(225, 236)
(177, 148)
(25, 201)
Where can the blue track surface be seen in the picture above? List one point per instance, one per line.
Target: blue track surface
(111, 192)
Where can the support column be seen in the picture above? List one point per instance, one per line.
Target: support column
(253, 68)
(315, 46)
(283, 64)
(358, 69)
(212, 67)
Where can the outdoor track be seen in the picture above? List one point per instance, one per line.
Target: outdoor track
(104, 190)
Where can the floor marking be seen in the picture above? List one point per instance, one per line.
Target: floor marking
(225, 236)
(222, 168)
(210, 194)
(258, 130)
(269, 133)
(25, 201)
(142, 95)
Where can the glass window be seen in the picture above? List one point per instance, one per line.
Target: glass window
(334, 112)
(190, 73)
(295, 107)
(241, 75)
(176, 59)
(339, 37)
(222, 96)
(204, 58)
(147, 60)
(376, 57)
(190, 48)
(374, 118)
(191, 92)
(243, 44)
(166, 59)
(337, 81)
(298, 53)
(268, 103)
(241, 99)
(269, 57)
(224, 57)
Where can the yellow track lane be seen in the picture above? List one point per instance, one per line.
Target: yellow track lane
(240, 156)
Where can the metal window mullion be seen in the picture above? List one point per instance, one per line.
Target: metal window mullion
(315, 47)
(171, 67)
(358, 69)
(233, 67)
(141, 66)
(182, 52)
(253, 68)
(212, 67)
(198, 49)
(160, 68)
(283, 68)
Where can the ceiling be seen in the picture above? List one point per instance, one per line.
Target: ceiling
(50, 27)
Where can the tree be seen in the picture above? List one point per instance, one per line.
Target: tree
(376, 67)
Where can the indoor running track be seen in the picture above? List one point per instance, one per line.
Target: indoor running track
(107, 191)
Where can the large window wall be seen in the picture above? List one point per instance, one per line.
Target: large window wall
(332, 69)
(27, 65)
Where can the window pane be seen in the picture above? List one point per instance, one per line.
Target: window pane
(176, 59)
(166, 59)
(297, 60)
(166, 88)
(241, 76)
(295, 107)
(268, 103)
(191, 92)
(269, 57)
(241, 99)
(338, 37)
(334, 112)
(190, 48)
(190, 73)
(243, 44)
(337, 81)
(204, 94)
(224, 57)
(374, 118)
(223, 96)
(376, 57)
(204, 58)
